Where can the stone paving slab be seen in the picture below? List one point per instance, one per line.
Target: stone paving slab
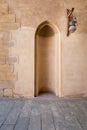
(43, 113)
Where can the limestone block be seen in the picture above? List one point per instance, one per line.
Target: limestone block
(1, 35)
(2, 76)
(8, 92)
(18, 13)
(1, 43)
(6, 35)
(8, 76)
(9, 43)
(12, 76)
(1, 92)
(4, 52)
(25, 50)
(9, 26)
(3, 8)
(11, 4)
(6, 68)
(11, 60)
(6, 84)
(2, 59)
(7, 18)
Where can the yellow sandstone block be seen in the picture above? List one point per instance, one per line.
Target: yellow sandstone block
(81, 29)
(9, 26)
(7, 76)
(7, 18)
(11, 60)
(6, 68)
(8, 92)
(9, 43)
(3, 8)
(1, 92)
(6, 85)
(1, 43)
(2, 60)
(3, 48)
(2, 76)
(4, 52)
(11, 76)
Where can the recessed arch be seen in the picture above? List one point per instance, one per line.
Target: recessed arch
(47, 59)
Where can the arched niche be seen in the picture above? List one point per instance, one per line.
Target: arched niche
(47, 59)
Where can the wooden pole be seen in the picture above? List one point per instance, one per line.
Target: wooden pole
(69, 13)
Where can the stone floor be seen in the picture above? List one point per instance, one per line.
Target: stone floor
(43, 113)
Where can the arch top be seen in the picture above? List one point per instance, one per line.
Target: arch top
(47, 29)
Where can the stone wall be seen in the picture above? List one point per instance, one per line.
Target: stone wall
(8, 75)
(19, 20)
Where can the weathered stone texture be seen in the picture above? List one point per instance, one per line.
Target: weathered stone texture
(1, 92)
(11, 60)
(6, 68)
(2, 59)
(6, 35)
(1, 43)
(7, 18)
(4, 52)
(9, 43)
(9, 26)
(4, 76)
(8, 92)
(46, 113)
(3, 8)
(6, 85)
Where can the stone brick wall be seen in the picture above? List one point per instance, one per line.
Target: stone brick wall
(8, 76)
(19, 20)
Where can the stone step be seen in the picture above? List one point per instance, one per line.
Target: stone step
(4, 8)
(7, 18)
(9, 26)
